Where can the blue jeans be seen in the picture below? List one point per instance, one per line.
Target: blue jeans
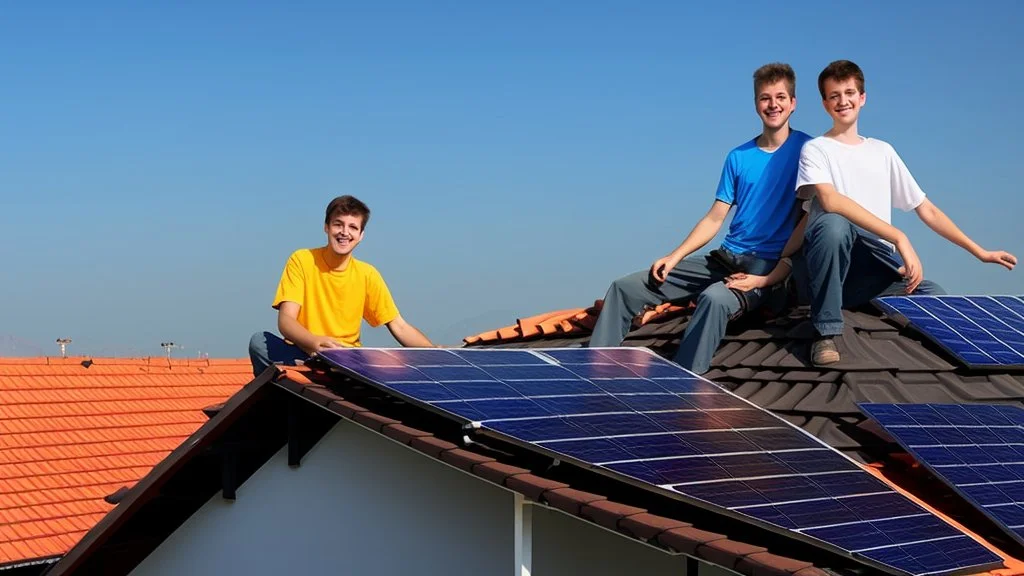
(846, 267)
(696, 276)
(266, 348)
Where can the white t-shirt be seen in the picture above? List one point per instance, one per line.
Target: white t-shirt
(871, 174)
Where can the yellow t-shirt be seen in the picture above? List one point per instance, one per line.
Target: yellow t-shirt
(334, 303)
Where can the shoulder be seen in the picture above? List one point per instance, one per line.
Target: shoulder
(800, 138)
(365, 269)
(304, 255)
(880, 145)
(742, 148)
(818, 145)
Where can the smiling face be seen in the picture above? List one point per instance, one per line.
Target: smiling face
(774, 104)
(344, 232)
(843, 100)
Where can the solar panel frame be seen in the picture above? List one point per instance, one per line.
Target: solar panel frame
(955, 468)
(821, 477)
(966, 327)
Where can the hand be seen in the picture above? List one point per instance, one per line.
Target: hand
(1004, 259)
(323, 343)
(662, 266)
(912, 270)
(746, 282)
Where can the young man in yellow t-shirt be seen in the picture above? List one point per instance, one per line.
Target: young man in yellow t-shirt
(325, 294)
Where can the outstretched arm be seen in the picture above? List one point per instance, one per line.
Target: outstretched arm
(407, 334)
(701, 234)
(832, 201)
(942, 225)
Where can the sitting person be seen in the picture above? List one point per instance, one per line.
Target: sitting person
(852, 183)
(758, 180)
(325, 294)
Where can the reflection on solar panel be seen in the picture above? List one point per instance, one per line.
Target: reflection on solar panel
(979, 330)
(977, 449)
(633, 415)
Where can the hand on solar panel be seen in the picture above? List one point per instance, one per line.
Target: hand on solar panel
(1001, 257)
(912, 270)
(323, 343)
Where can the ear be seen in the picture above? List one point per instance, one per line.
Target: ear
(863, 99)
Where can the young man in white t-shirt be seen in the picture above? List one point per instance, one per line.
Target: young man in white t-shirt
(853, 253)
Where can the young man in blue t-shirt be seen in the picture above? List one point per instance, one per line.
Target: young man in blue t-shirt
(759, 178)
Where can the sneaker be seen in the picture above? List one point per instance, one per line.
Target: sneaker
(824, 351)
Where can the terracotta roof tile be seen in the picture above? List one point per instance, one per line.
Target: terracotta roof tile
(73, 430)
(570, 500)
(464, 459)
(768, 564)
(687, 539)
(728, 553)
(497, 472)
(607, 513)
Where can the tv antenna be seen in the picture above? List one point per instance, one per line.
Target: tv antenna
(168, 346)
(63, 343)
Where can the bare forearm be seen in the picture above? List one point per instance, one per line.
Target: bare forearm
(859, 216)
(796, 239)
(408, 335)
(942, 225)
(701, 234)
(295, 332)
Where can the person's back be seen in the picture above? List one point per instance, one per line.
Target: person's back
(325, 294)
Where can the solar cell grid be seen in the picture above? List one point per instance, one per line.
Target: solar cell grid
(633, 415)
(968, 447)
(978, 330)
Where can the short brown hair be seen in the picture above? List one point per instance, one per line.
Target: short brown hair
(841, 70)
(347, 206)
(772, 73)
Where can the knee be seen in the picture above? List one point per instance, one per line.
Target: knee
(717, 298)
(258, 344)
(830, 230)
(627, 284)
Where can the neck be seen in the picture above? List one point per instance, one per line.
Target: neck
(773, 137)
(844, 133)
(335, 262)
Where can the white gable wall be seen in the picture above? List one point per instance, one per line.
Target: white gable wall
(361, 503)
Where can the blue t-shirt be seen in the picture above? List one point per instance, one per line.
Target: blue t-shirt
(762, 187)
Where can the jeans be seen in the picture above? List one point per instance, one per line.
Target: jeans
(846, 267)
(266, 348)
(696, 276)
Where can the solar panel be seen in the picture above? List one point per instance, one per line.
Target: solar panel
(633, 415)
(977, 449)
(978, 330)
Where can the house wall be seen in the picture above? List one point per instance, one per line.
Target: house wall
(361, 503)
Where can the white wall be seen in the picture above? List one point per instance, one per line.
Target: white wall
(363, 504)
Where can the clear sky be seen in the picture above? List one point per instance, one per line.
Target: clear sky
(158, 163)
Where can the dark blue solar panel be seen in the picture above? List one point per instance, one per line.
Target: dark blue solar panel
(632, 414)
(981, 465)
(978, 330)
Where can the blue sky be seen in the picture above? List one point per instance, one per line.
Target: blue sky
(158, 163)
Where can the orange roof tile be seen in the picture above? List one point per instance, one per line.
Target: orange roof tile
(573, 321)
(74, 430)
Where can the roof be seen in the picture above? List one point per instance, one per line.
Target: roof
(767, 361)
(257, 407)
(143, 519)
(73, 431)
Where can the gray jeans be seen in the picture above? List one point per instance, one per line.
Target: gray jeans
(846, 267)
(697, 277)
(266, 348)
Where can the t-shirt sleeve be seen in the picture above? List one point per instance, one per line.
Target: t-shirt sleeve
(727, 183)
(291, 288)
(812, 168)
(906, 193)
(380, 307)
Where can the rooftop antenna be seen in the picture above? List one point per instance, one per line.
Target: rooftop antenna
(168, 346)
(63, 343)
